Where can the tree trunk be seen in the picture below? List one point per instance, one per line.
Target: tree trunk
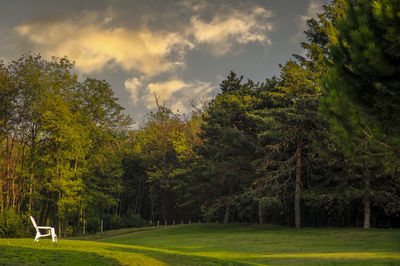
(151, 203)
(33, 151)
(7, 175)
(2, 200)
(43, 211)
(227, 211)
(298, 191)
(136, 208)
(59, 228)
(367, 213)
(1, 196)
(13, 192)
(367, 204)
(80, 218)
(260, 213)
(31, 189)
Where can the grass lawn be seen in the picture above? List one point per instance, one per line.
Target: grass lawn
(212, 244)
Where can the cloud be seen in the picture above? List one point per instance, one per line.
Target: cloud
(176, 93)
(195, 5)
(95, 41)
(314, 8)
(133, 86)
(162, 90)
(94, 44)
(149, 49)
(233, 27)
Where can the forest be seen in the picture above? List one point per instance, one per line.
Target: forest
(318, 145)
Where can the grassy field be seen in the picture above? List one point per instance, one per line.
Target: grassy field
(212, 244)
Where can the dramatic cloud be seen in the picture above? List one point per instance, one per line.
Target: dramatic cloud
(177, 94)
(314, 8)
(162, 90)
(93, 44)
(133, 86)
(231, 28)
(154, 55)
(195, 5)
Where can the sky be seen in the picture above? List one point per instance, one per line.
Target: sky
(179, 50)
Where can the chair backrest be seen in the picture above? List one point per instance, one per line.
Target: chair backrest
(33, 221)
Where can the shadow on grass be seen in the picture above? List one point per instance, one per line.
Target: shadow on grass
(324, 261)
(361, 258)
(112, 233)
(179, 259)
(33, 256)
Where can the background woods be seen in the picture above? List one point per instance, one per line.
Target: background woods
(317, 145)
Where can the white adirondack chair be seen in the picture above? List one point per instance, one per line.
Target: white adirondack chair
(50, 231)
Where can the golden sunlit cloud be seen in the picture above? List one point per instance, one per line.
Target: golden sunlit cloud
(162, 90)
(133, 86)
(177, 94)
(94, 45)
(235, 27)
(96, 42)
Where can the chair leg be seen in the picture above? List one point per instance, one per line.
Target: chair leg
(37, 237)
(53, 235)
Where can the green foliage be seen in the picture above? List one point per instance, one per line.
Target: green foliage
(12, 224)
(364, 72)
(323, 134)
(165, 145)
(228, 147)
(368, 47)
(360, 80)
(287, 121)
(57, 128)
(130, 219)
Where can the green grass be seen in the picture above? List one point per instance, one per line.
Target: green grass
(212, 244)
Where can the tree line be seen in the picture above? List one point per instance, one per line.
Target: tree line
(317, 145)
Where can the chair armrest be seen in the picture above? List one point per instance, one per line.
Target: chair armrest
(44, 227)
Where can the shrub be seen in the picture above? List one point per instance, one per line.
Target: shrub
(131, 219)
(13, 224)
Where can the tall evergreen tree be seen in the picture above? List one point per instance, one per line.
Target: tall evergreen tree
(287, 124)
(228, 147)
(366, 69)
(361, 79)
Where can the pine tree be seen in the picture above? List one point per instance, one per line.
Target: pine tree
(366, 69)
(228, 148)
(286, 124)
(361, 92)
